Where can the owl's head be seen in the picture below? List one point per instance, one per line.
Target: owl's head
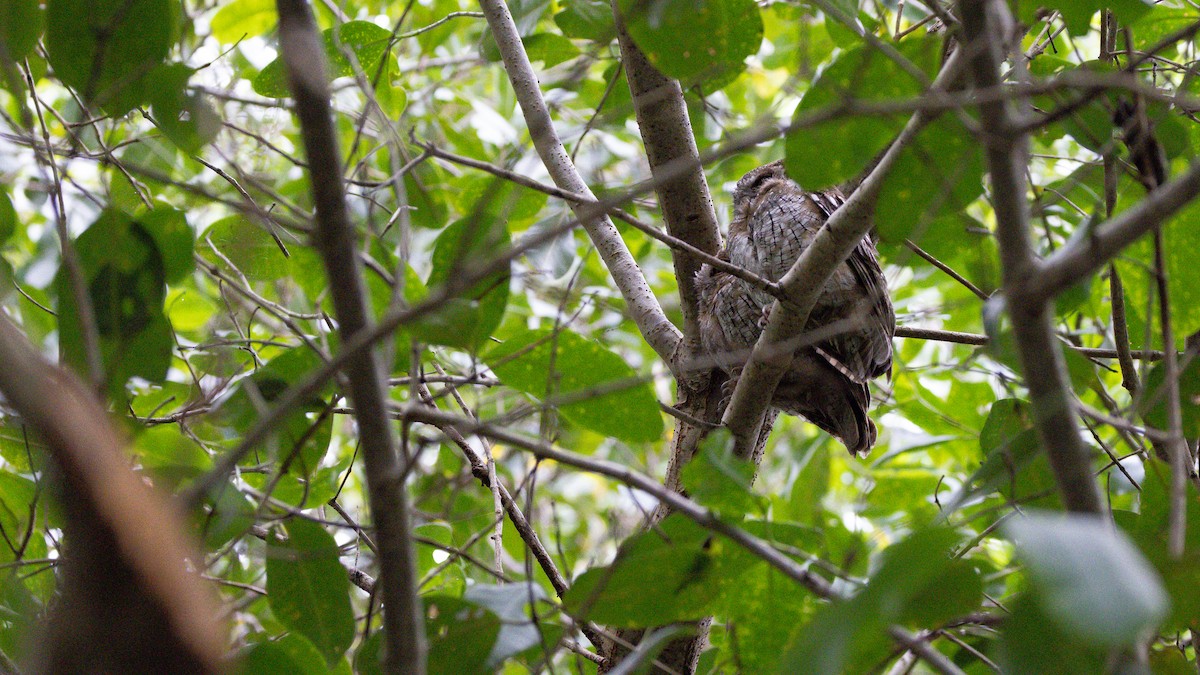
(754, 185)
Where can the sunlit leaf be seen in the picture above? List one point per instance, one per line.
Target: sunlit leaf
(839, 146)
(243, 18)
(587, 383)
(695, 41)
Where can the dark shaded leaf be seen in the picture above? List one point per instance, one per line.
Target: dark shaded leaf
(587, 20)
(472, 315)
(309, 590)
(719, 480)
(107, 49)
(848, 142)
(21, 24)
(461, 635)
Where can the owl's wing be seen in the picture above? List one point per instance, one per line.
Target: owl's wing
(729, 317)
(863, 350)
(814, 389)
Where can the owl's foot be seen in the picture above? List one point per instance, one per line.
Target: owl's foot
(766, 315)
(727, 388)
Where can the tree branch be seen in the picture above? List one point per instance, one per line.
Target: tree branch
(129, 603)
(1086, 256)
(666, 131)
(987, 24)
(658, 331)
(303, 56)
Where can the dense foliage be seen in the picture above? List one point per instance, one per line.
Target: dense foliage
(154, 142)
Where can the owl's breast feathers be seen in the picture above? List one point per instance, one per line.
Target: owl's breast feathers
(851, 325)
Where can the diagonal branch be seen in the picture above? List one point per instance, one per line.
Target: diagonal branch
(404, 634)
(987, 24)
(129, 602)
(647, 313)
(1089, 255)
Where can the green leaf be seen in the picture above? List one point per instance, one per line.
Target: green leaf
(302, 438)
(243, 18)
(461, 635)
(587, 20)
(695, 41)
(126, 283)
(368, 659)
(472, 315)
(171, 456)
(174, 239)
(21, 23)
(549, 48)
(591, 386)
(958, 240)
(20, 447)
(251, 249)
(517, 206)
(1033, 642)
(8, 217)
(183, 116)
(938, 174)
(837, 149)
(18, 499)
(918, 581)
(1077, 14)
(1013, 463)
(107, 49)
(913, 584)
(291, 653)
(1181, 236)
(1160, 22)
(510, 603)
(366, 41)
(658, 577)
(1089, 578)
(762, 605)
(309, 590)
(718, 479)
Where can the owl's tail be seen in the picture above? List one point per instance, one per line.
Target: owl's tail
(824, 396)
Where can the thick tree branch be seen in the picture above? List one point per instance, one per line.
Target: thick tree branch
(129, 603)
(987, 24)
(666, 131)
(1088, 255)
(646, 312)
(804, 283)
(687, 210)
(303, 55)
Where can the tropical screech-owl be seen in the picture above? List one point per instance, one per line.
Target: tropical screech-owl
(849, 330)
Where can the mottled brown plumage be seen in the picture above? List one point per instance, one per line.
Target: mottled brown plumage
(851, 325)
